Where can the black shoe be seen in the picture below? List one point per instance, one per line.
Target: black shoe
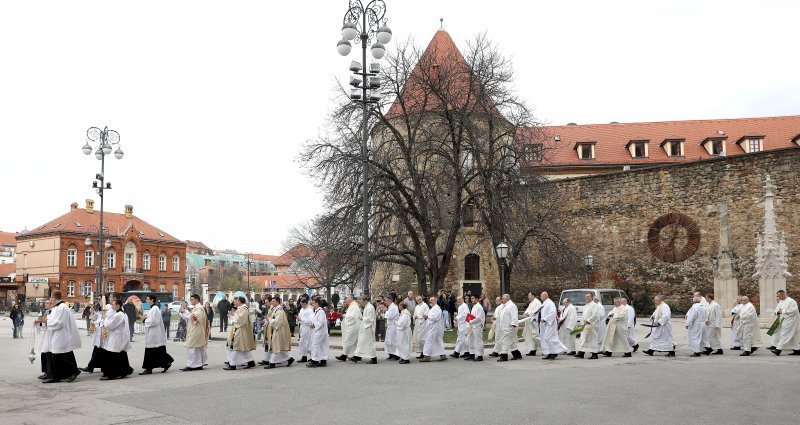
(594, 357)
(166, 368)
(72, 378)
(323, 363)
(421, 356)
(708, 351)
(229, 367)
(373, 361)
(50, 381)
(187, 369)
(251, 364)
(503, 358)
(580, 354)
(270, 366)
(494, 354)
(227, 364)
(745, 354)
(627, 355)
(553, 356)
(355, 359)
(516, 355)
(470, 357)
(311, 364)
(86, 369)
(717, 352)
(107, 378)
(648, 352)
(393, 358)
(146, 372)
(403, 362)
(455, 355)
(771, 347)
(478, 359)
(795, 353)
(635, 348)
(695, 355)
(607, 353)
(303, 359)
(753, 350)
(290, 361)
(341, 358)
(263, 363)
(671, 354)
(466, 355)
(571, 353)
(736, 348)
(531, 353)
(776, 352)
(42, 376)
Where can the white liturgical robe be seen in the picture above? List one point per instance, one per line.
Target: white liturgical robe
(366, 334)
(391, 316)
(749, 333)
(616, 337)
(434, 342)
(350, 328)
(696, 324)
(418, 338)
(404, 335)
(531, 330)
(475, 330)
(549, 329)
(306, 316)
(713, 326)
(62, 332)
(568, 320)
(119, 333)
(588, 341)
(462, 340)
(601, 325)
(154, 333)
(493, 333)
(507, 328)
(319, 336)
(631, 325)
(661, 338)
(788, 333)
(735, 327)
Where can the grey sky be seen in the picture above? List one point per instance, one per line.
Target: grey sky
(214, 98)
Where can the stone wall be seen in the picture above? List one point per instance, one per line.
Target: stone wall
(609, 216)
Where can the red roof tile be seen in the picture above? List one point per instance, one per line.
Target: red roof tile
(81, 221)
(7, 238)
(7, 269)
(285, 281)
(611, 139)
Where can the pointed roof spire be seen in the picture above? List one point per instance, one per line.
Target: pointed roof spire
(441, 24)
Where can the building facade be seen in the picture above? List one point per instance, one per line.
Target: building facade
(140, 256)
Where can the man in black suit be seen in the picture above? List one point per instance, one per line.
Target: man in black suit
(223, 306)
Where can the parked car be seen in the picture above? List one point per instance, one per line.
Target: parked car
(578, 298)
(175, 306)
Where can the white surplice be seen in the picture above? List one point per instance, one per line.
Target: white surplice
(119, 333)
(306, 315)
(62, 332)
(391, 316)
(601, 325)
(476, 330)
(735, 327)
(154, 333)
(568, 320)
(531, 330)
(548, 326)
(591, 319)
(661, 336)
(462, 340)
(616, 337)
(404, 335)
(350, 327)
(366, 334)
(748, 332)
(434, 342)
(507, 328)
(631, 326)
(493, 333)
(418, 337)
(696, 322)
(788, 334)
(319, 336)
(713, 326)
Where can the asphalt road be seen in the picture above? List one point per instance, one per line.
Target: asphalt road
(729, 389)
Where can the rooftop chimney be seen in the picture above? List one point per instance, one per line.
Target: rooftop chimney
(73, 206)
(90, 206)
(129, 211)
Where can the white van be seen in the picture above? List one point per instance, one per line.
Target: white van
(578, 298)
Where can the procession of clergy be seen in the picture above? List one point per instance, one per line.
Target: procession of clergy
(544, 330)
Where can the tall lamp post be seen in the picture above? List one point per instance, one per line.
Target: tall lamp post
(360, 24)
(102, 142)
(588, 261)
(502, 253)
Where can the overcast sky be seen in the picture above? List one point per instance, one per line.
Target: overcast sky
(213, 99)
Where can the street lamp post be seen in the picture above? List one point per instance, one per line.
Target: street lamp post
(360, 24)
(588, 261)
(104, 140)
(502, 253)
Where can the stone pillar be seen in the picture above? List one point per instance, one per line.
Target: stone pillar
(771, 261)
(726, 266)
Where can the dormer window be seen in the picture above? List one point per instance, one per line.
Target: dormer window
(751, 144)
(796, 140)
(585, 150)
(673, 147)
(715, 146)
(638, 149)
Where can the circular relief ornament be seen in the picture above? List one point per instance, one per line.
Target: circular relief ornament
(673, 237)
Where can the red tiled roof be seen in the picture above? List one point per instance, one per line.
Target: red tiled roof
(285, 281)
(264, 257)
(441, 66)
(197, 245)
(7, 269)
(7, 238)
(611, 139)
(81, 221)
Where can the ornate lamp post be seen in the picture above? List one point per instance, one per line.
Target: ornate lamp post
(360, 24)
(502, 253)
(588, 261)
(104, 141)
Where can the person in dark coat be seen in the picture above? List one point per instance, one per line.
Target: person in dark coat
(210, 316)
(291, 314)
(130, 310)
(166, 317)
(335, 300)
(223, 306)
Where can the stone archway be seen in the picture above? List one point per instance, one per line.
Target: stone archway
(132, 285)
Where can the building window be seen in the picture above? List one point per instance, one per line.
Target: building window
(110, 287)
(87, 289)
(174, 291)
(146, 260)
(129, 264)
(472, 267)
(753, 145)
(72, 257)
(70, 288)
(639, 150)
(207, 262)
(111, 259)
(162, 287)
(585, 151)
(89, 258)
(675, 148)
(162, 262)
(467, 161)
(468, 215)
(533, 152)
(717, 147)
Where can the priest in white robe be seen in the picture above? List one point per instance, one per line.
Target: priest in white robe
(418, 336)
(566, 324)
(616, 338)
(661, 332)
(241, 341)
(462, 340)
(434, 338)
(788, 333)
(155, 340)
(548, 325)
(601, 326)
(404, 334)
(475, 330)
(278, 336)
(748, 332)
(507, 331)
(391, 316)
(493, 334)
(116, 364)
(696, 325)
(365, 349)
(631, 324)
(63, 339)
(713, 326)
(305, 318)
(531, 330)
(735, 343)
(350, 326)
(197, 332)
(588, 336)
(319, 335)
